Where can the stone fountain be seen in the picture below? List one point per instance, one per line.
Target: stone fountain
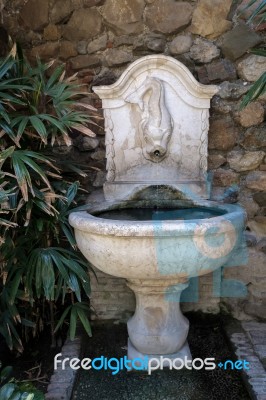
(155, 225)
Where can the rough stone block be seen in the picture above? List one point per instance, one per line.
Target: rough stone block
(117, 57)
(144, 43)
(51, 32)
(215, 12)
(89, 143)
(82, 47)
(258, 226)
(223, 177)
(245, 161)
(168, 16)
(221, 106)
(35, 14)
(204, 51)
(97, 44)
(246, 200)
(61, 10)
(215, 161)
(251, 115)
(256, 180)
(83, 24)
(254, 138)
(250, 239)
(217, 71)
(67, 50)
(221, 70)
(155, 43)
(232, 90)
(180, 44)
(86, 61)
(222, 134)
(238, 41)
(98, 155)
(252, 67)
(45, 51)
(123, 40)
(260, 198)
(124, 17)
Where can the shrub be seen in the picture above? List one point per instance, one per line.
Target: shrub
(42, 274)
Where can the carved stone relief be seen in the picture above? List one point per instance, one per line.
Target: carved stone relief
(157, 118)
(156, 125)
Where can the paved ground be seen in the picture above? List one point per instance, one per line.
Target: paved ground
(249, 342)
(206, 339)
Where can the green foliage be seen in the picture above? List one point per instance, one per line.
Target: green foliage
(76, 311)
(258, 12)
(41, 271)
(257, 15)
(10, 389)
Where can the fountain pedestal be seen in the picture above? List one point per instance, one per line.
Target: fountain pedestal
(158, 327)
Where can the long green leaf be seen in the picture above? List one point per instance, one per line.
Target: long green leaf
(84, 320)
(73, 323)
(4, 154)
(62, 318)
(69, 234)
(48, 276)
(22, 126)
(5, 373)
(259, 52)
(60, 265)
(54, 122)
(54, 77)
(7, 390)
(14, 286)
(74, 285)
(33, 165)
(39, 126)
(257, 12)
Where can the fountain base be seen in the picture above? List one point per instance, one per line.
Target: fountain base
(179, 359)
(158, 327)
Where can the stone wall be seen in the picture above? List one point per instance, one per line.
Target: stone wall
(98, 39)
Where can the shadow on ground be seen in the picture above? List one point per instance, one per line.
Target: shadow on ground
(206, 339)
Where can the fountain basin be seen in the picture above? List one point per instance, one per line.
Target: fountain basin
(157, 252)
(156, 248)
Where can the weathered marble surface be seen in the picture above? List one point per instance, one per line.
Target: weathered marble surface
(157, 258)
(156, 122)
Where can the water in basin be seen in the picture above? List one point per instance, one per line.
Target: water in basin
(148, 214)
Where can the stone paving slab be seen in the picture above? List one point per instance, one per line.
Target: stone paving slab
(249, 342)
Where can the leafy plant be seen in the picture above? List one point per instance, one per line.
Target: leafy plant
(41, 271)
(257, 11)
(258, 14)
(10, 389)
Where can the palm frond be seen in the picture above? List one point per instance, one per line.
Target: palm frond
(257, 89)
